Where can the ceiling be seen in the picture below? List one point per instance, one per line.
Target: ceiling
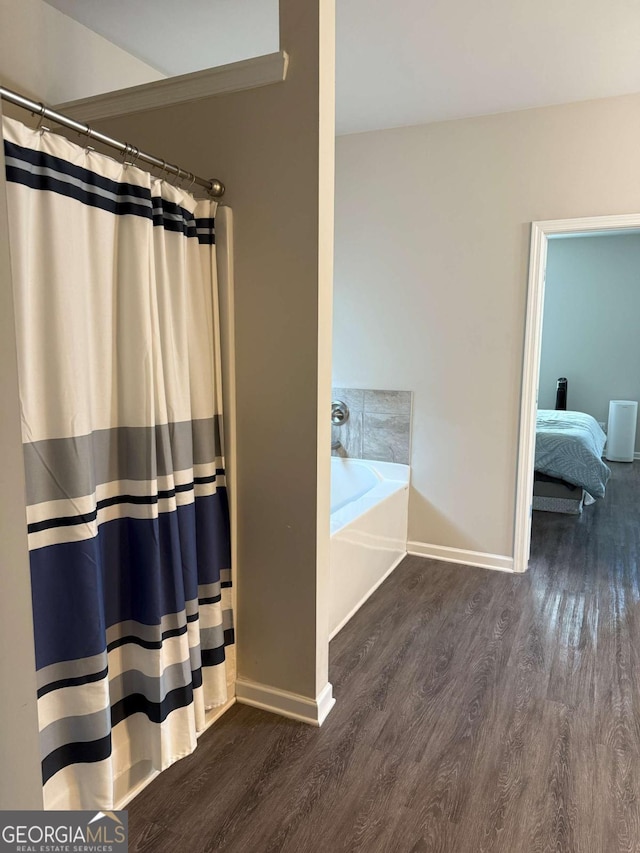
(179, 37)
(406, 62)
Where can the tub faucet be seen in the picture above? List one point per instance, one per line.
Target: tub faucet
(339, 416)
(339, 413)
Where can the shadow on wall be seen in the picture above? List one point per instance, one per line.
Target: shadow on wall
(378, 427)
(448, 531)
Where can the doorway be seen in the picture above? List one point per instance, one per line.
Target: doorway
(541, 232)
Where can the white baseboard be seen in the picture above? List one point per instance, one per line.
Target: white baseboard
(214, 714)
(128, 791)
(292, 705)
(458, 555)
(367, 595)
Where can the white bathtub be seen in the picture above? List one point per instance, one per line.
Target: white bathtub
(369, 506)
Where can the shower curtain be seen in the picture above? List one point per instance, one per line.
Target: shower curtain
(114, 276)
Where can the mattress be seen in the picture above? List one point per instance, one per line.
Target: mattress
(569, 447)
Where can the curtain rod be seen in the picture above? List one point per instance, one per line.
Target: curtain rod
(214, 187)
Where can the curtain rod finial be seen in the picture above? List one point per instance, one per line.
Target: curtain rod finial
(217, 188)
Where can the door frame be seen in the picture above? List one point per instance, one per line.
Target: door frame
(540, 234)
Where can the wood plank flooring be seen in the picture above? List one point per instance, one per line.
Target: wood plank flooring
(476, 711)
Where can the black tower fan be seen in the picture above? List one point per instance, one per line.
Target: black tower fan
(561, 394)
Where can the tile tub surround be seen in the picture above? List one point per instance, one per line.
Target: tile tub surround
(379, 425)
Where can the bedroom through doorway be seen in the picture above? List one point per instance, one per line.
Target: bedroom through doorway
(581, 357)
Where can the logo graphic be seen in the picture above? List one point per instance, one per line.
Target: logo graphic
(63, 832)
(111, 815)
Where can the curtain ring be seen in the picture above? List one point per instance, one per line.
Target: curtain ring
(125, 154)
(135, 153)
(43, 111)
(40, 127)
(193, 180)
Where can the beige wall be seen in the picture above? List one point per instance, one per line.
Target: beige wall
(265, 145)
(49, 56)
(432, 241)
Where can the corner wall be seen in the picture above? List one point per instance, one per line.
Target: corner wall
(432, 246)
(273, 148)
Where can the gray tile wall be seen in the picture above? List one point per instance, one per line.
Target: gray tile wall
(379, 425)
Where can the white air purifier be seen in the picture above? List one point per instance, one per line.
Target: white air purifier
(621, 432)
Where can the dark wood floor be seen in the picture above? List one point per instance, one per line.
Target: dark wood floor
(476, 711)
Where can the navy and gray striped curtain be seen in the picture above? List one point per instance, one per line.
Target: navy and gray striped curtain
(114, 275)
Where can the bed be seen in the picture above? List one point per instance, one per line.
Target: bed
(569, 470)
